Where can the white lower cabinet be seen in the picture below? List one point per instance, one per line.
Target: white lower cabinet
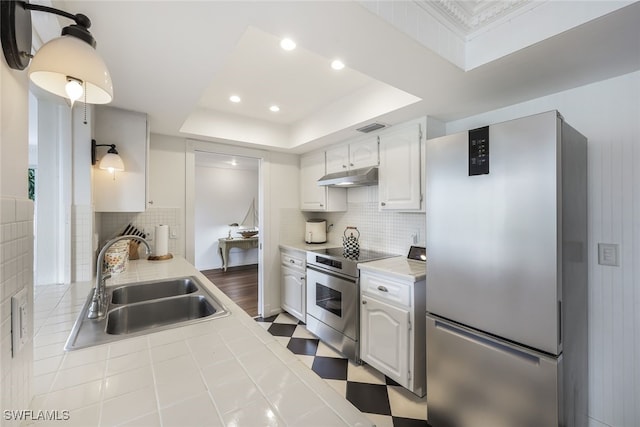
(392, 328)
(385, 345)
(293, 295)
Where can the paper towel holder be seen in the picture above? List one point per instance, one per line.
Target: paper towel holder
(159, 257)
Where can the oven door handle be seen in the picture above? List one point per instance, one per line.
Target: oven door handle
(333, 274)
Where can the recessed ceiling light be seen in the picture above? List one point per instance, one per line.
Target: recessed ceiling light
(287, 44)
(234, 98)
(274, 108)
(336, 64)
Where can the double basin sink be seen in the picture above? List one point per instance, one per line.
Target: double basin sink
(144, 307)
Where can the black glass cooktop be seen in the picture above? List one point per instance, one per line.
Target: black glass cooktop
(362, 255)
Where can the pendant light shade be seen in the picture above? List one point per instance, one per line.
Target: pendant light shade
(67, 66)
(66, 59)
(112, 162)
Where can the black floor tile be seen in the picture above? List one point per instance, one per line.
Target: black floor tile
(389, 381)
(330, 367)
(303, 346)
(372, 398)
(282, 329)
(409, 422)
(269, 319)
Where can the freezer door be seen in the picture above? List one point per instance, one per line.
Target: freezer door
(492, 239)
(475, 380)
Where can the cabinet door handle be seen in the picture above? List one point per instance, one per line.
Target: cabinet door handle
(292, 261)
(364, 301)
(344, 166)
(383, 289)
(350, 164)
(383, 204)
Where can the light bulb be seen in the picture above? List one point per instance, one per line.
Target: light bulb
(74, 89)
(337, 64)
(111, 170)
(287, 44)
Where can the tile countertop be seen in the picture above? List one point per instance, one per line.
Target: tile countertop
(303, 246)
(227, 371)
(399, 267)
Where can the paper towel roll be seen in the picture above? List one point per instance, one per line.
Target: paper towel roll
(162, 240)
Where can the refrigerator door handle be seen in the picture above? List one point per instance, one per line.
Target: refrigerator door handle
(489, 343)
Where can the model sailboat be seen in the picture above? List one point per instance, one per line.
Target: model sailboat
(249, 225)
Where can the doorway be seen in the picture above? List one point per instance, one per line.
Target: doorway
(226, 202)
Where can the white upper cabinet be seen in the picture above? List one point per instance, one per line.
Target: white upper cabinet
(125, 191)
(364, 153)
(337, 159)
(317, 198)
(358, 154)
(400, 178)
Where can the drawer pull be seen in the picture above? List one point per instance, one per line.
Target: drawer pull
(383, 289)
(292, 261)
(364, 301)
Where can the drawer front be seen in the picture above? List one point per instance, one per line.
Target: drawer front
(292, 262)
(386, 289)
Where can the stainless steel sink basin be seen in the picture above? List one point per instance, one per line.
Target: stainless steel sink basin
(145, 307)
(152, 290)
(138, 317)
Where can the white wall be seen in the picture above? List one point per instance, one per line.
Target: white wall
(16, 237)
(608, 114)
(223, 196)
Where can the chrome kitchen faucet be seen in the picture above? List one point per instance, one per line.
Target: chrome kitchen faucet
(98, 307)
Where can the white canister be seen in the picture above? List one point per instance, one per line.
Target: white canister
(315, 231)
(116, 259)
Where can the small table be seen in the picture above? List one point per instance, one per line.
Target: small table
(224, 244)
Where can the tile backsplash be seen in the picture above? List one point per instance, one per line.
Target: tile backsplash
(391, 232)
(112, 224)
(16, 274)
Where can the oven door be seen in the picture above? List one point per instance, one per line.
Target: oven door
(332, 299)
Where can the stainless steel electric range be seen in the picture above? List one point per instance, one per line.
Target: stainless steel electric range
(333, 290)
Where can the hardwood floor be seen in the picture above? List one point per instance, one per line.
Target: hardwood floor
(238, 283)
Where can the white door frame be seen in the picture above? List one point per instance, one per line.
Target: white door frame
(263, 201)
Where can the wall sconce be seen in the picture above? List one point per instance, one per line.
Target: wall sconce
(111, 161)
(67, 66)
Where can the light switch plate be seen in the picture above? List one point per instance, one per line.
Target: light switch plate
(19, 322)
(608, 254)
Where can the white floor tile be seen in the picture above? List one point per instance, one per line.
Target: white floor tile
(307, 360)
(326, 351)
(286, 318)
(339, 386)
(380, 420)
(364, 374)
(302, 332)
(406, 404)
(321, 417)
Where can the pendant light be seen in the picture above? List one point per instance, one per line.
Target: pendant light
(67, 66)
(110, 161)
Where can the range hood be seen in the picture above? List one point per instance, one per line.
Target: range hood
(352, 178)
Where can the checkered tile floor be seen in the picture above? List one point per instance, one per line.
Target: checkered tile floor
(385, 402)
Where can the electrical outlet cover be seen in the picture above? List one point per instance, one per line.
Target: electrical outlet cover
(19, 322)
(608, 254)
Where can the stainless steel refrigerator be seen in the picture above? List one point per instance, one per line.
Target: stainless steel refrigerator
(506, 242)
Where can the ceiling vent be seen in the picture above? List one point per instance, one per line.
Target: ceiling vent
(371, 127)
